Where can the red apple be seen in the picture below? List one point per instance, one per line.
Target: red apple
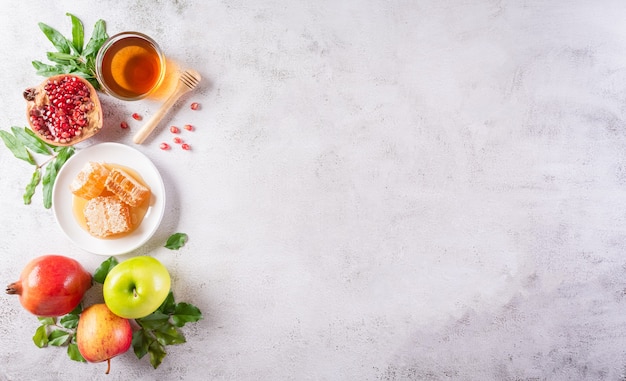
(102, 335)
(51, 285)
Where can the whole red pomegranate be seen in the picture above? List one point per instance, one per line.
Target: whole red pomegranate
(51, 285)
(64, 109)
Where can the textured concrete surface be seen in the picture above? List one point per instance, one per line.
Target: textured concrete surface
(377, 190)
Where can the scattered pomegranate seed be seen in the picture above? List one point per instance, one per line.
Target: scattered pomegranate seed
(164, 146)
(195, 105)
(185, 146)
(188, 127)
(174, 130)
(178, 140)
(124, 125)
(136, 116)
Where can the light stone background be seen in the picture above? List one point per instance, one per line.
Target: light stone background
(377, 190)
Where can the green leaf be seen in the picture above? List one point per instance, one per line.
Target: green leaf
(41, 336)
(169, 335)
(103, 270)
(64, 154)
(98, 37)
(168, 305)
(62, 58)
(94, 82)
(157, 354)
(46, 70)
(60, 43)
(78, 33)
(58, 337)
(84, 71)
(30, 140)
(99, 31)
(16, 147)
(74, 353)
(48, 182)
(91, 50)
(50, 70)
(40, 65)
(154, 321)
(69, 321)
(32, 185)
(176, 241)
(52, 169)
(90, 62)
(46, 320)
(185, 313)
(90, 65)
(141, 343)
(77, 310)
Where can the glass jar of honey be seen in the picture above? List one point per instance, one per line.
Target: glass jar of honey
(130, 66)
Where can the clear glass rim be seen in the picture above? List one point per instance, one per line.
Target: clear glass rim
(110, 42)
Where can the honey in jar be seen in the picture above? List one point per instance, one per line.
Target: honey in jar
(130, 66)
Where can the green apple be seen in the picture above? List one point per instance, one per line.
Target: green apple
(136, 287)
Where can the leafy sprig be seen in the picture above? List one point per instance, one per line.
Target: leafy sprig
(24, 143)
(60, 332)
(161, 327)
(72, 55)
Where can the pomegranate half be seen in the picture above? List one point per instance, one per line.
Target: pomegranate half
(64, 109)
(51, 285)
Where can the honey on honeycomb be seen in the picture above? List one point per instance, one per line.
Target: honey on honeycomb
(106, 216)
(126, 187)
(90, 181)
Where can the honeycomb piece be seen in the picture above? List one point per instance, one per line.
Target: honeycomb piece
(126, 187)
(90, 181)
(106, 216)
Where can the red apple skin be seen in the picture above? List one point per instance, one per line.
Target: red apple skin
(51, 285)
(102, 335)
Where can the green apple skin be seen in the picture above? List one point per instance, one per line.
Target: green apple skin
(136, 287)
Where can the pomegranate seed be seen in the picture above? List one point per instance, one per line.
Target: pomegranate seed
(174, 130)
(164, 146)
(188, 127)
(66, 114)
(136, 116)
(178, 140)
(185, 146)
(124, 125)
(195, 105)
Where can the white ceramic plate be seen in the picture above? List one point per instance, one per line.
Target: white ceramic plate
(115, 153)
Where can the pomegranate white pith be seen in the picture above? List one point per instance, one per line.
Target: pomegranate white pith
(64, 110)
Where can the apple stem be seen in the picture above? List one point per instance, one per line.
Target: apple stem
(108, 366)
